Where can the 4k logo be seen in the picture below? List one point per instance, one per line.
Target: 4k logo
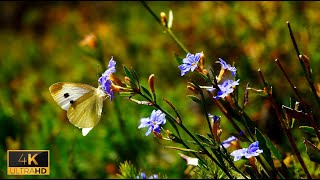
(28, 162)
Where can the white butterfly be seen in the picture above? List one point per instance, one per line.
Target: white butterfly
(82, 102)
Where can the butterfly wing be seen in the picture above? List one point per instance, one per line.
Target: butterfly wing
(65, 93)
(86, 111)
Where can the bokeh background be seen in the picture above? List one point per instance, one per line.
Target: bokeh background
(39, 45)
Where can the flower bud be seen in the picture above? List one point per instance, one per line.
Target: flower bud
(215, 127)
(306, 63)
(151, 82)
(191, 88)
(235, 144)
(116, 88)
(219, 78)
(115, 80)
(164, 21)
(201, 61)
(127, 79)
(158, 135)
(296, 106)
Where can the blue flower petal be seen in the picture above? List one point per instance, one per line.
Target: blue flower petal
(190, 62)
(157, 118)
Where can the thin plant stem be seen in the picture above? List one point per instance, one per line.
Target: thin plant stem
(166, 28)
(287, 132)
(232, 164)
(309, 79)
(206, 112)
(314, 125)
(177, 40)
(224, 111)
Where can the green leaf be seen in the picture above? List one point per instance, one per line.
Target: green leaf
(220, 159)
(312, 151)
(179, 60)
(263, 145)
(128, 74)
(125, 94)
(273, 149)
(194, 98)
(127, 171)
(252, 172)
(206, 78)
(182, 149)
(135, 76)
(145, 90)
(308, 129)
(203, 138)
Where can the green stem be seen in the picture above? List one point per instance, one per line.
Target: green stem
(206, 113)
(166, 28)
(205, 150)
(231, 162)
(177, 40)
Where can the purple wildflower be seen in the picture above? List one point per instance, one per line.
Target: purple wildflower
(156, 119)
(190, 63)
(105, 81)
(226, 88)
(252, 150)
(226, 66)
(226, 143)
(144, 176)
(215, 119)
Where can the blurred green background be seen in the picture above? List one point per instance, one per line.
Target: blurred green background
(39, 46)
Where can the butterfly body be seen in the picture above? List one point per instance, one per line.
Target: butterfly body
(82, 102)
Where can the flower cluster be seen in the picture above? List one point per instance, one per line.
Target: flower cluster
(190, 63)
(252, 150)
(154, 122)
(226, 87)
(105, 80)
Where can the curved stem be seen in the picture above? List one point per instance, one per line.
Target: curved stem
(177, 40)
(166, 28)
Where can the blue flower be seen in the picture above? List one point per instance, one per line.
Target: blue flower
(143, 176)
(226, 88)
(105, 81)
(252, 150)
(215, 119)
(156, 119)
(190, 63)
(154, 176)
(226, 143)
(226, 66)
